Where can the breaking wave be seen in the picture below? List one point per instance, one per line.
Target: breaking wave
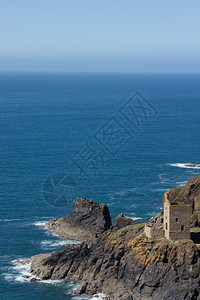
(50, 244)
(19, 272)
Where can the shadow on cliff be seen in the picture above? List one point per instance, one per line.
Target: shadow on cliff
(195, 237)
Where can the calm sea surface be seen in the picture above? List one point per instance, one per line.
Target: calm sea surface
(115, 138)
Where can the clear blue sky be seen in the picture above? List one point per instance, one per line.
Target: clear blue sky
(100, 35)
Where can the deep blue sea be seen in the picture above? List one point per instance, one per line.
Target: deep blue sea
(120, 139)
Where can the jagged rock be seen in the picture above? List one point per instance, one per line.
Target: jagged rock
(87, 221)
(81, 288)
(24, 262)
(121, 222)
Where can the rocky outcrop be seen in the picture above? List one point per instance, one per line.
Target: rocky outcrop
(87, 221)
(120, 260)
(122, 221)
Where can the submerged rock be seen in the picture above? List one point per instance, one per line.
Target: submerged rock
(34, 280)
(191, 165)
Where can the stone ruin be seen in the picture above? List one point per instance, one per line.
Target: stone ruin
(173, 224)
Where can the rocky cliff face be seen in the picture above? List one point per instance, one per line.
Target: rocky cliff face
(120, 261)
(125, 265)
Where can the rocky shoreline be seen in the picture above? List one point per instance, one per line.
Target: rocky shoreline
(119, 260)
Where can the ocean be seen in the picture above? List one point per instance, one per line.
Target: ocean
(120, 139)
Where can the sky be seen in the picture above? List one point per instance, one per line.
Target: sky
(100, 36)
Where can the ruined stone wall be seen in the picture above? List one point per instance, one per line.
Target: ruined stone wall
(148, 231)
(153, 232)
(179, 219)
(166, 223)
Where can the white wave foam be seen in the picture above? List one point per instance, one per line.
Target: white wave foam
(86, 297)
(81, 297)
(9, 220)
(49, 244)
(99, 296)
(54, 243)
(50, 281)
(181, 183)
(122, 193)
(185, 165)
(134, 206)
(44, 217)
(126, 191)
(134, 218)
(20, 273)
(50, 232)
(43, 225)
(163, 178)
(152, 213)
(160, 190)
(40, 224)
(110, 204)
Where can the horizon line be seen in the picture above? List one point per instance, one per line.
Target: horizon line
(99, 72)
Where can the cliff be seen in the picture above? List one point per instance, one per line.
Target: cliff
(126, 266)
(121, 261)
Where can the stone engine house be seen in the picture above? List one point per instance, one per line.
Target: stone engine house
(176, 219)
(174, 224)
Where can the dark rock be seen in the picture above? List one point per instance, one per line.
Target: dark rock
(24, 262)
(81, 288)
(34, 279)
(121, 222)
(191, 165)
(87, 221)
